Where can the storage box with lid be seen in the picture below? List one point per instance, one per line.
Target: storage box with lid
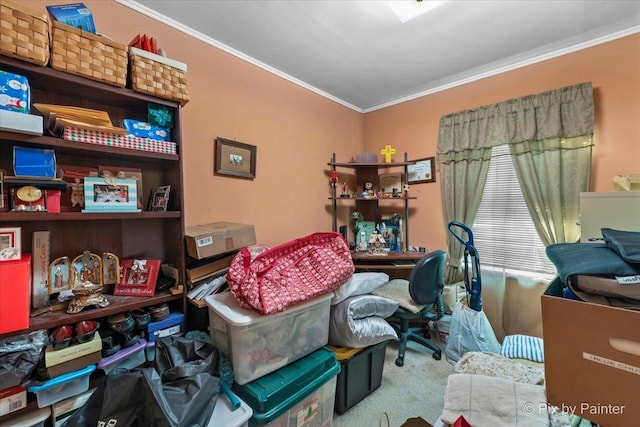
(15, 294)
(299, 394)
(158, 76)
(88, 55)
(257, 344)
(24, 33)
(59, 388)
(226, 415)
(360, 374)
(127, 358)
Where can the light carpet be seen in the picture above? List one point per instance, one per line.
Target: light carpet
(414, 390)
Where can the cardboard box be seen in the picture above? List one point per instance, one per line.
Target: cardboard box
(172, 325)
(207, 240)
(12, 399)
(74, 364)
(587, 370)
(41, 258)
(14, 121)
(15, 294)
(74, 14)
(55, 357)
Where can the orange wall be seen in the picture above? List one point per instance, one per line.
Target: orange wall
(296, 130)
(614, 70)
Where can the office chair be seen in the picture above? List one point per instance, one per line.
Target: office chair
(417, 297)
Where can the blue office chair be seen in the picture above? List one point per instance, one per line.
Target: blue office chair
(420, 298)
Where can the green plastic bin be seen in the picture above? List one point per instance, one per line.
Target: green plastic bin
(299, 394)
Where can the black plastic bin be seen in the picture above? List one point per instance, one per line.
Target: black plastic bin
(359, 376)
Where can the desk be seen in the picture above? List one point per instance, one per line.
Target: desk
(397, 266)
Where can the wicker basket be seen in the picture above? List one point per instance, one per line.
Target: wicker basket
(88, 55)
(158, 76)
(24, 33)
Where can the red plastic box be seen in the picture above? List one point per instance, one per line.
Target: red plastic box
(15, 294)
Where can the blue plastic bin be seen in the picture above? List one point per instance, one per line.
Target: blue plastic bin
(59, 388)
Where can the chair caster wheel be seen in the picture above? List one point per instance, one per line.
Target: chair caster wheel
(437, 355)
(399, 362)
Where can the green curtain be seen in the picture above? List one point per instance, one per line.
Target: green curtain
(559, 121)
(551, 181)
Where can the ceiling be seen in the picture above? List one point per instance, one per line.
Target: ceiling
(361, 55)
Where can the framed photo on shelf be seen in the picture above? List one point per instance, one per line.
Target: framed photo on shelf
(424, 170)
(159, 198)
(10, 244)
(110, 195)
(391, 183)
(128, 173)
(235, 159)
(138, 277)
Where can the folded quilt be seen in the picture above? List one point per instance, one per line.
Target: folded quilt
(494, 365)
(495, 402)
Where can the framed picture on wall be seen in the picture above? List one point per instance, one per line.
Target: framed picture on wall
(235, 159)
(424, 170)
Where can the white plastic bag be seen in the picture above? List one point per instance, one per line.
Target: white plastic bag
(470, 330)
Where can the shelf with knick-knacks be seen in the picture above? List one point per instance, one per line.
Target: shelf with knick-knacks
(371, 189)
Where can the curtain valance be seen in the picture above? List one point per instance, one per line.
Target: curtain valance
(553, 115)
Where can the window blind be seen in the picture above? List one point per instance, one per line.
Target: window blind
(504, 234)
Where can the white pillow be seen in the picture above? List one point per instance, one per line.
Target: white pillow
(359, 284)
(359, 321)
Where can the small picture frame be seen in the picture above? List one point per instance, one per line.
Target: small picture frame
(159, 199)
(391, 183)
(10, 244)
(424, 170)
(138, 277)
(235, 159)
(60, 275)
(109, 194)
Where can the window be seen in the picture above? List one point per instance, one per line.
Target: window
(504, 234)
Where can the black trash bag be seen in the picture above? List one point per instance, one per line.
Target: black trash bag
(180, 391)
(20, 356)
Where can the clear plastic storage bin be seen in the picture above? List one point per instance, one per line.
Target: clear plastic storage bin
(225, 415)
(258, 344)
(59, 388)
(301, 394)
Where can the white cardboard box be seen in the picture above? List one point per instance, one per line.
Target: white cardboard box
(13, 121)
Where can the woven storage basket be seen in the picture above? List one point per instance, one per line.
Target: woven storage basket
(24, 33)
(88, 55)
(158, 76)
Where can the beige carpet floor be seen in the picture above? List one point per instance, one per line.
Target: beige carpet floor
(414, 390)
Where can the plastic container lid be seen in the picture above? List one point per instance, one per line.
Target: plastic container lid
(62, 379)
(274, 393)
(224, 414)
(226, 306)
(108, 362)
(344, 353)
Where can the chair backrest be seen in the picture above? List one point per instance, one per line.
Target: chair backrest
(427, 277)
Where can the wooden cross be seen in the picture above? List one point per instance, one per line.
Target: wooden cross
(387, 152)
